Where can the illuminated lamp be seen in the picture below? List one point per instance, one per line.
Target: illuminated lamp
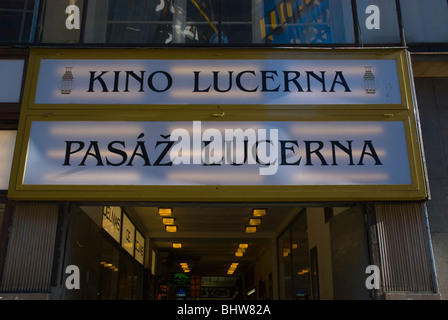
(165, 212)
(243, 245)
(238, 254)
(168, 220)
(171, 228)
(251, 229)
(254, 221)
(259, 212)
(177, 245)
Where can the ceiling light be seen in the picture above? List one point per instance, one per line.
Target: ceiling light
(241, 250)
(238, 254)
(165, 212)
(254, 221)
(251, 229)
(168, 220)
(171, 228)
(177, 245)
(259, 212)
(243, 245)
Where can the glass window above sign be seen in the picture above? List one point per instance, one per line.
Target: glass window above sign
(224, 22)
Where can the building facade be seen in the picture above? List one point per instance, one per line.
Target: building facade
(210, 149)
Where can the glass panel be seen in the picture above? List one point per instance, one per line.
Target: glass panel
(2, 214)
(285, 276)
(16, 21)
(301, 270)
(304, 21)
(110, 266)
(378, 24)
(149, 21)
(425, 21)
(237, 25)
(62, 22)
(203, 21)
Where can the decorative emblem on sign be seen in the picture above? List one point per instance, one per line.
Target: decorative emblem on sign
(67, 84)
(369, 81)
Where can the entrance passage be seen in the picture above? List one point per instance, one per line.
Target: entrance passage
(220, 251)
(223, 251)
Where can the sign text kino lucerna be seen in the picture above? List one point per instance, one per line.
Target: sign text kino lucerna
(218, 81)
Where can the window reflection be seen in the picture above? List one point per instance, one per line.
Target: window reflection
(295, 266)
(16, 20)
(302, 21)
(149, 21)
(219, 22)
(202, 22)
(425, 21)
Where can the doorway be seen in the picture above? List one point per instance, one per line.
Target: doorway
(293, 253)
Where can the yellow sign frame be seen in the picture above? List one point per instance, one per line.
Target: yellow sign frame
(406, 112)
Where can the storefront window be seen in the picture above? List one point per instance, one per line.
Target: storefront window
(17, 21)
(120, 276)
(110, 262)
(300, 256)
(295, 270)
(425, 21)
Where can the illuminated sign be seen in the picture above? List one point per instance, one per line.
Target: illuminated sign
(111, 221)
(117, 224)
(222, 153)
(255, 81)
(219, 125)
(139, 247)
(128, 235)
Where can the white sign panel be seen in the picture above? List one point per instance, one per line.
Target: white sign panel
(112, 221)
(11, 80)
(217, 153)
(180, 82)
(128, 235)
